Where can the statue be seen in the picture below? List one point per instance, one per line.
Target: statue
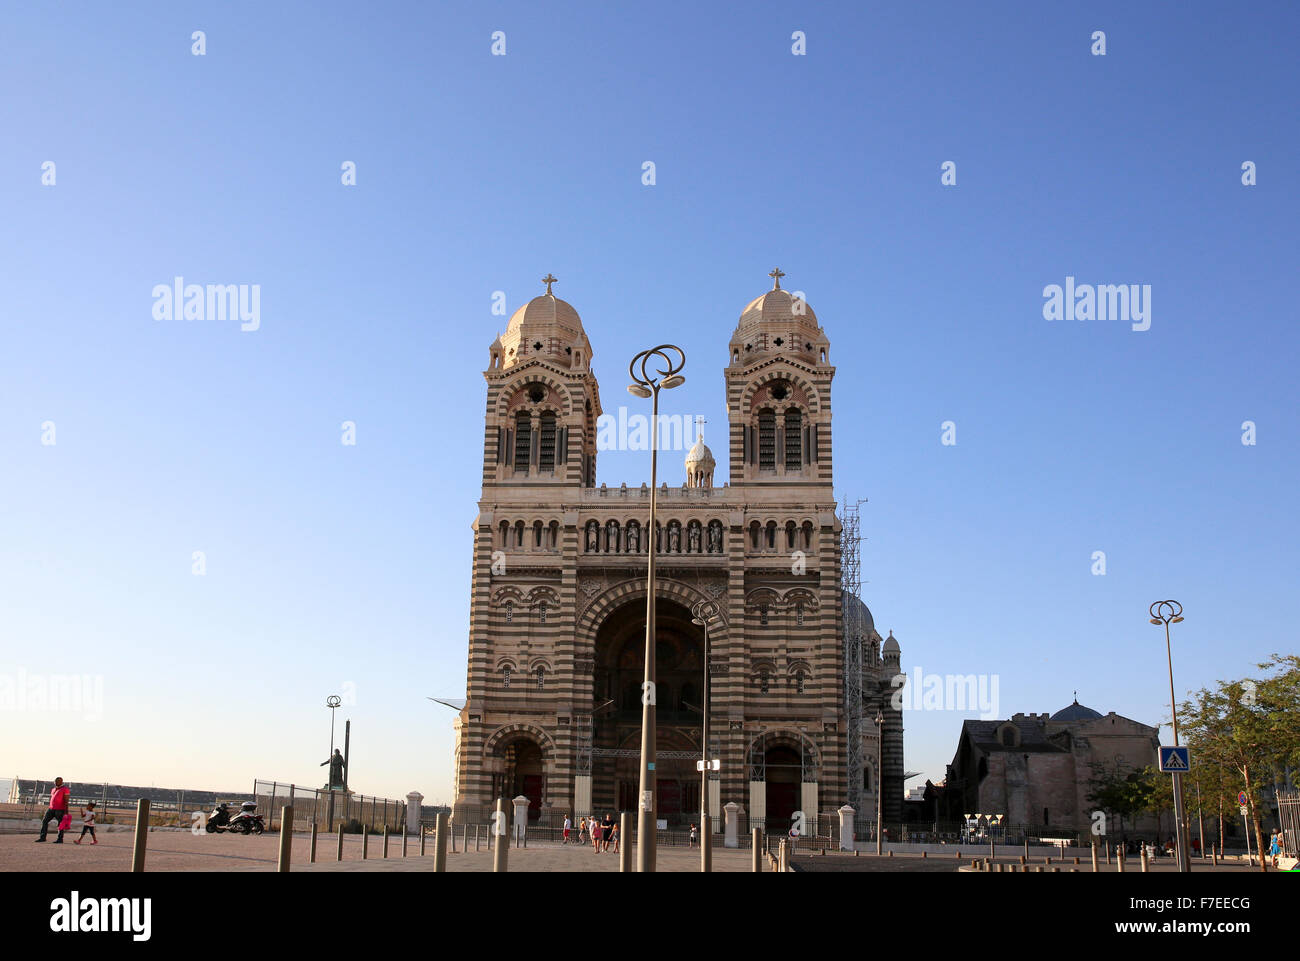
(694, 539)
(715, 538)
(336, 770)
(634, 540)
(591, 535)
(674, 539)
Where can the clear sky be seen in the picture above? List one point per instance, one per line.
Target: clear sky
(333, 568)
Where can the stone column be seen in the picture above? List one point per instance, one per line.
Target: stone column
(521, 812)
(808, 799)
(846, 828)
(732, 810)
(413, 812)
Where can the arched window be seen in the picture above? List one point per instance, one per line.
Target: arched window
(762, 614)
(790, 531)
(541, 677)
(546, 449)
(793, 439)
(537, 534)
(523, 441)
(770, 541)
(505, 535)
(1008, 737)
(798, 682)
(541, 615)
(798, 614)
(554, 540)
(766, 440)
(519, 534)
(754, 535)
(762, 681)
(505, 676)
(510, 611)
(807, 535)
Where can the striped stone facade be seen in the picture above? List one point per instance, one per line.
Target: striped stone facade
(559, 583)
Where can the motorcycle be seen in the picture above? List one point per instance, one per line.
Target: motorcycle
(247, 821)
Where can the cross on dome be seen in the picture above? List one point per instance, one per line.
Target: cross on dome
(548, 280)
(776, 273)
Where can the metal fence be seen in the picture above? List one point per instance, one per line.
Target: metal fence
(351, 811)
(1288, 814)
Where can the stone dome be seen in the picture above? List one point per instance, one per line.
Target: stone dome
(849, 602)
(545, 328)
(700, 465)
(778, 324)
(1076, 712)
(891, 645)
(700, 455)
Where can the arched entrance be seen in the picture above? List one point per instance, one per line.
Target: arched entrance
(522, 773)
(784, 779)
(616, 689)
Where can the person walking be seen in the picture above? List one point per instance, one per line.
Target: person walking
(582, 830)
(692, 841)
(57, 811)
(617, 836)
(1275, 848)
(606, 829)
(595, 834)
(88, 823)
(567, 824)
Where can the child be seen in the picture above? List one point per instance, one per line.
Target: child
(87, 823)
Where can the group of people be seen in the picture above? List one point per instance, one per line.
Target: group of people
(601, 834)
(58, 813)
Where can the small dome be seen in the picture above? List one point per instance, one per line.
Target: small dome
(700, 454)
(891, 645)
(1076, 712)
(545, 328)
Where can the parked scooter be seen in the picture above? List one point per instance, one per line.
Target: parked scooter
(247, 821)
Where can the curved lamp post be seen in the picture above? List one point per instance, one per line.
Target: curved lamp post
(701, 612)
(665, 376)
(1166, 613)
(332, 702)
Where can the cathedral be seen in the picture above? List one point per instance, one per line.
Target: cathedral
(558, 606)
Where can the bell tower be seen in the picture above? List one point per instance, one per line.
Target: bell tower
(779, 394)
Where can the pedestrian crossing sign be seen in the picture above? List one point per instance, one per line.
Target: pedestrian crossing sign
(1174, 760)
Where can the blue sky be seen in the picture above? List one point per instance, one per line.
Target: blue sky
(330, 565)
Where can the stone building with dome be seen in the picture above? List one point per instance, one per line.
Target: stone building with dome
(557, 622)
(1038, 770)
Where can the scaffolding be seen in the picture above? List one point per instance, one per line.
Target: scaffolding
(850, 594)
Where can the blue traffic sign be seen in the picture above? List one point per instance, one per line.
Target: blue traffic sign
(1175, 760)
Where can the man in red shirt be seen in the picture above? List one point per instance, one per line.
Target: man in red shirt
(58, 808)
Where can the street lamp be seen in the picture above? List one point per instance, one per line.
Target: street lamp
(1166, 613)
(649, 385)
(880, 778)
(700, 614)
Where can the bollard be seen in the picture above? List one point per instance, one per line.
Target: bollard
(464, 839)
(1047, 860)
(440, 833)
(385, 840)
(1094, 858)
(403, 840)
(1022, 859)
(757, 842)
(339, 855)
(286, 840)
(891, 854)
(476, 839)
(141, 835)
(1026, 849)
(923, 854)
(424, 833)
(958, 855)
(1215, 854)
(500, 849)
(311, 858)
(1076, 860)
(625, 842)
(781, 856)
(365, 841)
(1108, 855)
(1146, 861)
(1119, 859)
